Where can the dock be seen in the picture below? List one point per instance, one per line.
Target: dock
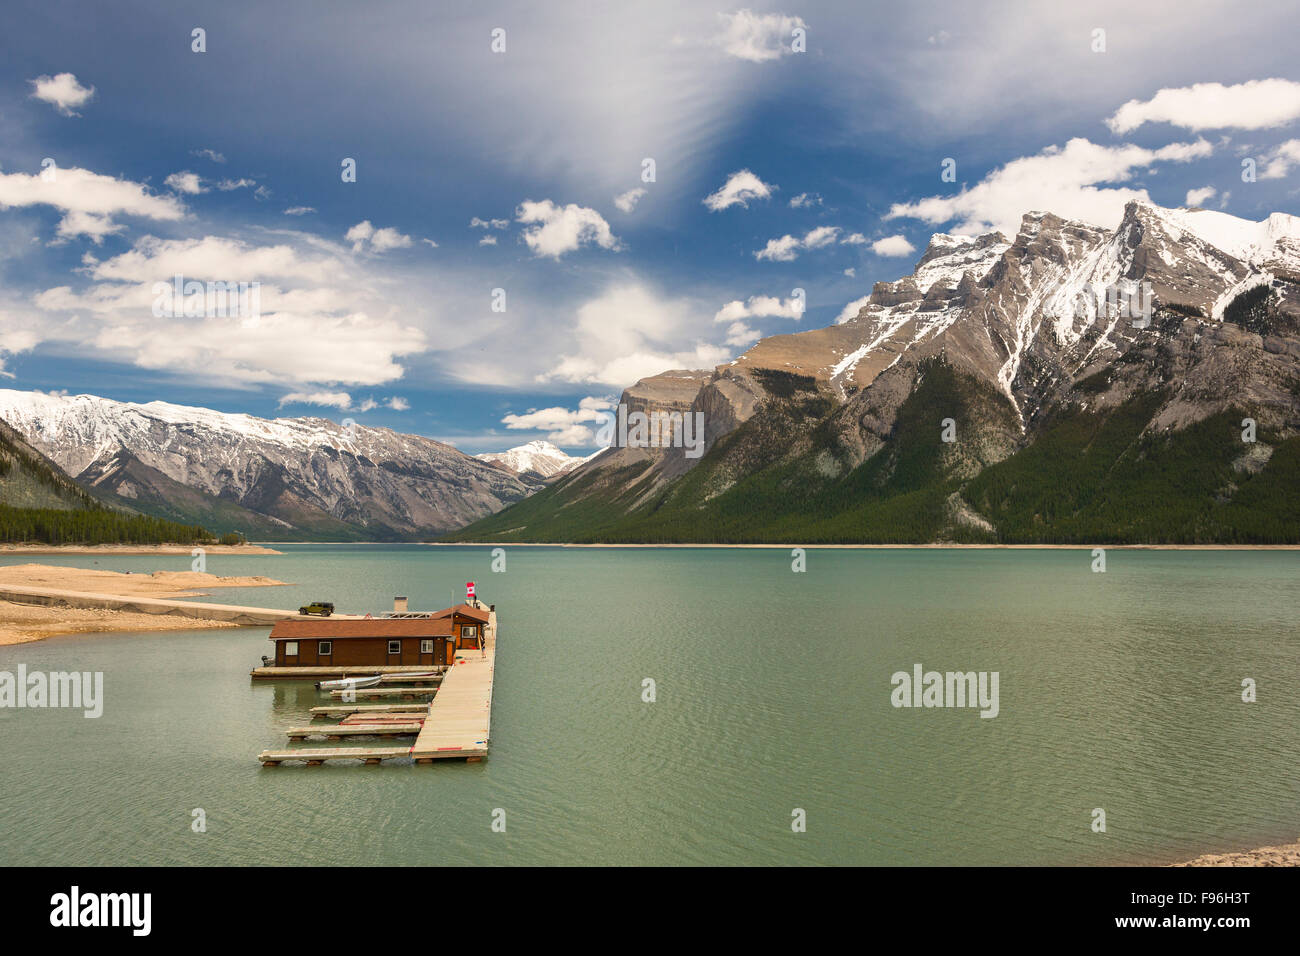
(457, 724)
(391, 673)
(460, 718)
(372, 692)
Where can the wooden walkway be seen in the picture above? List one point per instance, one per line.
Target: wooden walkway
(460, 718)
(231, 613)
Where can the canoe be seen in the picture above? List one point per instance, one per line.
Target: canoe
(348, 683)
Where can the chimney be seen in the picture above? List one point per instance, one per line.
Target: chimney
(399, 605)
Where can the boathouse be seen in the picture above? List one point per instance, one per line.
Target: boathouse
(402, 640)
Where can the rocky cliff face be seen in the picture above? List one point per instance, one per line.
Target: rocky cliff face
(299, 477)
(1181, 315)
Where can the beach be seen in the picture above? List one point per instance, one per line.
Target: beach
(22, 622)
(1286, 855)
(145, 549)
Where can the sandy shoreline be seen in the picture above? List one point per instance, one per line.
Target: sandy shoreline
(886, 547)
(21, 623)
(145, 549)
(1285, 855)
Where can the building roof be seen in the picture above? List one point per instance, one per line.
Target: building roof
(482, 615)
(294, 629)
(437, 624)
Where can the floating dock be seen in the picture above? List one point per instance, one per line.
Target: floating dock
(456, 725)
(391, 672)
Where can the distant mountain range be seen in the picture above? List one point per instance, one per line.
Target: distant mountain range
(1068, 384)
(539, 460)
(281, 479)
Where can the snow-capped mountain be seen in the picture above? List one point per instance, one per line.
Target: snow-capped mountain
(1172, 319)
(537, 458)
(295, 477)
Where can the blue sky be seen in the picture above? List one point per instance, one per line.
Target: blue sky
(377, 295)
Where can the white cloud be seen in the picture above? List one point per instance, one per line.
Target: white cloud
(211, 154)
(850, 272)
(787, 248)
(627, 333)
(87, 200)
(229, 185)
(556, 230)
(488, 241)
(477, 223)
(740, 187)
(1199, 197)
(854, 239)
(1279, 160)
(299, 210)
(805, 200)
(320, 319)
(893, 246)
(185, 182)
(760, 306)
(339, 400)
(852, 309)
(398, 404)
(379, 240)
(1255, 104)
(626, 202)
(741, 335)
(564, 426)
(1065, 181)
(757, 37)
(62, 91)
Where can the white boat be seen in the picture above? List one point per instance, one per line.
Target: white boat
(348, 683)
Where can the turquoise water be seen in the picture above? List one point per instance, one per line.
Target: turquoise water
(1118, 690)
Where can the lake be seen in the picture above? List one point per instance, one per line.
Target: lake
(1119, 690)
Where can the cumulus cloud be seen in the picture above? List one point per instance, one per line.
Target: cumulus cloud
(364, 235)
(477, 223)
(88, 200)
(740, 187)
(1199, 197)
(805, 200)
(564, 426)
(893, 246)
(757, 37)
(787, 248)
(62, 91)
(1255, 104)
(317, 320)
(554, 230)
(627, 333)
(488, 241)
(185, 182)
(1068, 181)
(1279, 160)
(339, 400)
(852, 309)
(626, 202)
(761, 306)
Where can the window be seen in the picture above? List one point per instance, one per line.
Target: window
(426, 647)
(290, 648)
(394, 647)
(468, 632)
(325, 648)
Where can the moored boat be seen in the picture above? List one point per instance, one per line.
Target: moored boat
(349, 683)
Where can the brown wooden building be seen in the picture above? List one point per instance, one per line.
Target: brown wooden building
(380, 642)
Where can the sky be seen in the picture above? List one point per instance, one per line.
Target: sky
(480, 222)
